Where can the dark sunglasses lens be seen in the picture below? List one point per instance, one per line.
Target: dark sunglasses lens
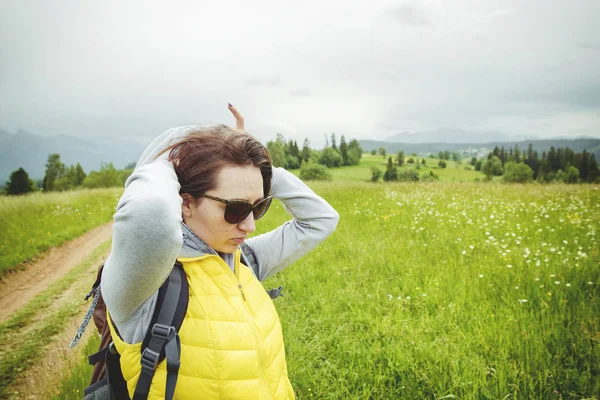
(261, 208)
(236, 213)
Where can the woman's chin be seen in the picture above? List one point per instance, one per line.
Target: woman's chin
(229, 247)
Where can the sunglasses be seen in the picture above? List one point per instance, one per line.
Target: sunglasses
(238, 210)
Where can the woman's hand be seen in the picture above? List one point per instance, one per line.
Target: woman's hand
(239, 120)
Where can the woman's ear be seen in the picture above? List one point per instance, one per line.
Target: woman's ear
(187, 205)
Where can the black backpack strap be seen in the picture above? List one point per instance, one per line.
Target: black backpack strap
(249, 259)
(161, 340)
(275, 293)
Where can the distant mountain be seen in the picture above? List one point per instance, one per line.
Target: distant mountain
(591, 145)
(4, 135)
(455, 136)
(30, 151)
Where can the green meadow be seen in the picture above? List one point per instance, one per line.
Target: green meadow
(447, 290)
(32, 224)
(454, 172)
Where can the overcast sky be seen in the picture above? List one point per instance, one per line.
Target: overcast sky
(366, 69)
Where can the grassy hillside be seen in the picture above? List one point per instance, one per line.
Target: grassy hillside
(362, 173)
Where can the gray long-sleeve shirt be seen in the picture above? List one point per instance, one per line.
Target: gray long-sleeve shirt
(148, 235)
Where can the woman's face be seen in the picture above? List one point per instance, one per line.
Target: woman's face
(205, 217)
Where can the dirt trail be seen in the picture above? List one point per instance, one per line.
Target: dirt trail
(18, 288)
(41, 380)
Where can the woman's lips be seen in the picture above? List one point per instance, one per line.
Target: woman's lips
(239, 240)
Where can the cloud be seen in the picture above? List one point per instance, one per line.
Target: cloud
(587, 45)
(263, 82)
(409, 14)
(499, 13)
(300, 92)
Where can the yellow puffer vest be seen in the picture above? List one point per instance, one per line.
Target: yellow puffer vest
(231, 340)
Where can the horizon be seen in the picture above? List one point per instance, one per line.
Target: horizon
(508, 138)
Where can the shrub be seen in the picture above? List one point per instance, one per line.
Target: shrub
(354, 155)
(330, 158)
(410, 161)
(63, 183)
(291, 162)
(492, 167)
(409, 175)
(517, 172)
(429, 177)
(311, 171)
(442, 164)
(375, 174)
(478, 165)
(124, 174)
(572, 175)
(108, 176)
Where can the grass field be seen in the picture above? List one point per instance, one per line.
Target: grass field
(443, 290)
(32, 224)
(472, 291)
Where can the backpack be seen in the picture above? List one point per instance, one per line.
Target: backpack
(160, 341)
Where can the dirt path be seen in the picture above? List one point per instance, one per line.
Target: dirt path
(18, 288)
(42, 379)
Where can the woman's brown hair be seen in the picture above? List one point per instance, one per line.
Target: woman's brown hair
(200, 156)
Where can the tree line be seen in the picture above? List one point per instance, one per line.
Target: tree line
(60, 177)
(558, 164)
(313, 163)
(284, 153)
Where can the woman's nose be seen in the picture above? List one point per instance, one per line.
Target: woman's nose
(248, 225)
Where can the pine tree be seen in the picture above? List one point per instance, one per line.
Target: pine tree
(306, 150)
(496, 152)
(79, 175)
(344, 150)
(593, 169)
(400, 158)
(391, 173)
(19, 182)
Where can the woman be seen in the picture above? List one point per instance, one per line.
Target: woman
(182, 203)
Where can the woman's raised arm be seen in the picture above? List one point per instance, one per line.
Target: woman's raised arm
(313, 221)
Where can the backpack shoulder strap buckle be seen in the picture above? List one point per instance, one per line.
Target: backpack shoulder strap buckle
(164, 332)
(149, 360)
